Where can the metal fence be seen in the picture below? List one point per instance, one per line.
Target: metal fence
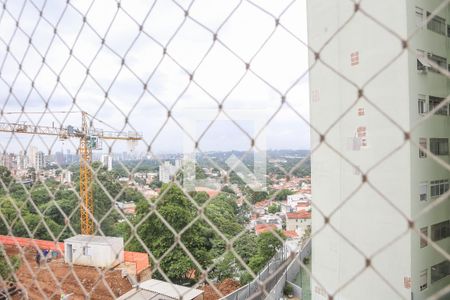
(290, 273)
(78, 77)
(268, 275)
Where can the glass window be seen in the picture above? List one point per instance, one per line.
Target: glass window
(434, 102)
(439, 146)
(438, 187)
(440, 271)
(436, 24)
(440, 61)
(422, 107)
(440, 231)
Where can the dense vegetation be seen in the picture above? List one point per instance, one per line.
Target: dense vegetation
(192, 233)
(8, 265)
(48, 210)
(183, 233)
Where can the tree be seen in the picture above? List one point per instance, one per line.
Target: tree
(7, 269)
(274, 208)
(156, 184)
(5, 177)
(227, 189)
(178, 212)
(200, 197)
(282, 195)
(256, 196)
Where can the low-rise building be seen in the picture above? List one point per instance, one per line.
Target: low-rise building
(96, 251)
(298, 221)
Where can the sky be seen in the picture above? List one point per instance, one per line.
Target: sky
(123, 49)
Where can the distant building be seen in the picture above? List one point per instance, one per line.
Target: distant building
(261, 228)
(66, 177)
(298, 221)
(167, 171)
(39, 161)
(106, 161)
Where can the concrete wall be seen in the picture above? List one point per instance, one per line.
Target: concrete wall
(366, 222)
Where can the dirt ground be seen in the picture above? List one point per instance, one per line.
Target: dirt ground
(51, 279)
(225, 287)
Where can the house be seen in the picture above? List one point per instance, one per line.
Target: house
(96, 251)
(270, 219)
(261, 207)
(292, 200)
(211, 192)
(298, 221)
(261, 228)
(161, 290)
(291, 234)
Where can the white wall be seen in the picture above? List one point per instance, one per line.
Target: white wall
(98, 254)
(367, 222)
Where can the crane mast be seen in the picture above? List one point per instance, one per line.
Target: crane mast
(87, 202)
(88, 140)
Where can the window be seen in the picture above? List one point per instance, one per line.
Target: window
(423, 147)
(440, 231)
(419, 17)
(440, 61)
(438, 187)
(423, 241)
(435, 102)
(423, 279)
(422, 63)
(422, 107)
(448, 33)
(86, 250)
(439, 146)
(436, 24)
(440, 271)
(423, 188)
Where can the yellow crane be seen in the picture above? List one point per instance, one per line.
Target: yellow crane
(90, 138)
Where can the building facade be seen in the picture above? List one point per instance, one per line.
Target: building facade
(370, 96)
(106, 161)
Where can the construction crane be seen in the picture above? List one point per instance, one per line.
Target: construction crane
(90, 138)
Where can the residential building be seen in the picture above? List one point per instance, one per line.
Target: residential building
(167, 170)
(371, 181)
(106, 161)
(298, 221)
(39, 162)
(66, 177)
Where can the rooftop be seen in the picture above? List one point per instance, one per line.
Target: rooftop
(94, 239)
(299, 215)
(160, 290)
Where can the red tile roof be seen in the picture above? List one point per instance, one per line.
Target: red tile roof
(263, 203)
(260, 228)
(299, 215)
(290, 233)
(211, 193)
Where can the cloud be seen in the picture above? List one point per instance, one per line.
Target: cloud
(129, 60)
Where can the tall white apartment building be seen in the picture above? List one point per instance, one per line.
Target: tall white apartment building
(167, 170)
(106, 161)
(367, 94)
